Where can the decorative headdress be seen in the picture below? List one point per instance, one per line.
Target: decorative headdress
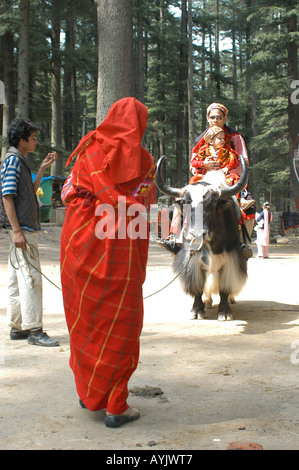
(219, 106)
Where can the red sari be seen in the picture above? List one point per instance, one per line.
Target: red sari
(102, 278)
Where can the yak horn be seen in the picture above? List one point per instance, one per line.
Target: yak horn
(241, 184)
(173, 192)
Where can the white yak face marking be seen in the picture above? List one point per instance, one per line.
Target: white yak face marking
(197, 227)
(197, 193)
(215, 181)
(193, 213)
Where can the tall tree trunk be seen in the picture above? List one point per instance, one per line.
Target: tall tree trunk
(115, 58)
(252, 115)
(190, 80)
(8, 76)
(248, 59)
(183, 75)
(67, 94)
(293, 109)
(75, 104)
(23, 64)
(161, 81)
(56, 136)
(70, 94)
(217, 56)
(203, 74)
(140, 54)
(235, 83)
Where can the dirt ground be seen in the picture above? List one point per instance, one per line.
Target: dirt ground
(217, 382)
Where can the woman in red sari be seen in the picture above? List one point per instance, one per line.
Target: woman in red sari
(102, 276)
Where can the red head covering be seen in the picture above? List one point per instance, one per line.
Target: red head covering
(119, 136)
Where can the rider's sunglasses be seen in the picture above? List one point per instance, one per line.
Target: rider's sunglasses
(218, 118)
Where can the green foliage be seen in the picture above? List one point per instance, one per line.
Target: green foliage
(252, 79)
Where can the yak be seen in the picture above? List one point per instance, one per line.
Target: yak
(210, 259)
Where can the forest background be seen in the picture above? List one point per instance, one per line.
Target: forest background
(175, 56)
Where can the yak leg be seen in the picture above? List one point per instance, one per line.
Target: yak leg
(224, 311)
(198, 308)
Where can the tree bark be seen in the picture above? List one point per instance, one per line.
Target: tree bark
(203, 74)
(217, 56)
(182, 92)
(56, 135)
(140, 55)
(115, 54)
(23, 63)
(8, 76)
(67, 95)
(293, 110)
(161, 80)
(234, 50)
(190, 79)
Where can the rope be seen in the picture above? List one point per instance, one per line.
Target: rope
(34, 256)
(180, 272)
(191, 253)
(32, 249)
(33, 253)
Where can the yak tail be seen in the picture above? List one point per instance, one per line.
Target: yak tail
(212, 276)
(212, 283)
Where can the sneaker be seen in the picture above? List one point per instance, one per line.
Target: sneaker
(39, 338)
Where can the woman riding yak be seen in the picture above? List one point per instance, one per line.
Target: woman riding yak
(217, 148)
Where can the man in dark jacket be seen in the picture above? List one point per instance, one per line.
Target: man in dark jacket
(19, 213)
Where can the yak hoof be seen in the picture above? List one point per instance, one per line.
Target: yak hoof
(200, 315)
(225, 316)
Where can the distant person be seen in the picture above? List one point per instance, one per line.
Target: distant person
(19, 213)
(263, 231)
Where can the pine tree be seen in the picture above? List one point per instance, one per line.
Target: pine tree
(272, 89)
(115, 73)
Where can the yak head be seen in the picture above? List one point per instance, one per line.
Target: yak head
(204, 204)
